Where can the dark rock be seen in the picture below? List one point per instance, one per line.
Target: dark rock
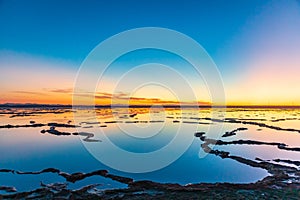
(8, 189)
(55, 186)
(110, 122)
(131, 122)
(170, 117)
(133, 115)
(288, 161)
(55, 132)
(62, 125)
(87, 127)
(227, 134)
(120, 179)
(88, 136)
(199, 134)
(7, 170)
(22, 126)
(231, 133)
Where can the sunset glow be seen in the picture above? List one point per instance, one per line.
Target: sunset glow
(259, 65)
(149, 99)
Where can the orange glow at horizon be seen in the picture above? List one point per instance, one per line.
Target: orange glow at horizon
(47, 82)
(66, 99)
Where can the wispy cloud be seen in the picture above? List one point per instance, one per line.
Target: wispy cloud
(29, 92)
(68, 90)
(123, 98)
(28, 78)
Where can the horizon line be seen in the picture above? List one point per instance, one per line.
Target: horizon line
(37, 105)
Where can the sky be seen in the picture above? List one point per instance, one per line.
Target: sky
(255, 45)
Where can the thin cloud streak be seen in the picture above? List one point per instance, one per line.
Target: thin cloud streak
(122, 98)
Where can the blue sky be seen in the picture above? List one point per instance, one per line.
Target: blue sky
(241, 36)
(70, 29)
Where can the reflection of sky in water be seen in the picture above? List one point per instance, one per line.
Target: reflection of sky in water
(265, 134)
(288, 123)
(140, 145)
(26, 149)
(264, 152)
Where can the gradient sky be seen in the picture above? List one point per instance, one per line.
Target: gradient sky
(254, 43)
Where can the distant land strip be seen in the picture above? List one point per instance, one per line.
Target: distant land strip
(33, 105)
